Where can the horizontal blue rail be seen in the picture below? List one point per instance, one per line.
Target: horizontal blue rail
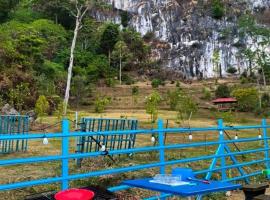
(222, 153)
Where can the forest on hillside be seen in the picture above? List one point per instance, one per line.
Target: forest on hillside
(35, 40)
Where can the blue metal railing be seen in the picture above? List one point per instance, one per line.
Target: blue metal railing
(218, 160)
(13, 125)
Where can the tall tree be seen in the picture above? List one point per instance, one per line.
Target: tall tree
(109, 38)
(122, 56)
(5, 7)
(216, 63)
(81, 8)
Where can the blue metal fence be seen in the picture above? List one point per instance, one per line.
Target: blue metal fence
(219, 160)
(88, 144)
(13, 125)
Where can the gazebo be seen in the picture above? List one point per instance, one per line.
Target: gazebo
(225, 104)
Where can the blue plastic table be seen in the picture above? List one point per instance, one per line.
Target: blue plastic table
(183, 190)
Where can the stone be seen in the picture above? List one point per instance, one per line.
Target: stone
(9, 110)
(5, 109)
(12, 111)
(32, 115)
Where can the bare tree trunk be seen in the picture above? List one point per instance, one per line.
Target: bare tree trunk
(264, 80)
(120, 68)
(71, 61)
(109, 58)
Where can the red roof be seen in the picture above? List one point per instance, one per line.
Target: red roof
(225, 100)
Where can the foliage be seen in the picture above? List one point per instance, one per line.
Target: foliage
(206, 94)
(60, 110)
(110, 82)
(265, 100)
(227, 117)
(135, 93)
(98, 68)
(156, 83)
(152, 103)
(258, 59)
(42, 106)
(217, 9)
(35, 47)
(150, 35)
(136, 45)
(216, 62)
(231, 70)
(222, 91)
(125, 18)
(101, 103)
(56, 10)
(247, 98)
(109, 38)
(79, 89)
(135, 90)
(19, 95)
(182, 103)
(173, 97)
(6, 6)
(121, 53)
(45, 87)
(128, 80)
(185, 107)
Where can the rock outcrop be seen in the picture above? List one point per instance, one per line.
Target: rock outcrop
(190, 31)
(9, 110)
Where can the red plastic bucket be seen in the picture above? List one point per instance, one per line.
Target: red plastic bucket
(75, 194)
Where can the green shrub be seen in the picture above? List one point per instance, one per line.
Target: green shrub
(135, 90)
(231, 70)
(227, 117)
(173, 97)
(156, 83)
(60, 110)
(206, 94)
(244, 80)
(217, 9)
(127, 79)
(150, 35)
(265, 100)
(185, 107)
(247, 98)
(152, 103)
(101, 103)
(42, 106)
(19, 95)
(110, 82)
(125, 18)
(178, 84)
(222, 91)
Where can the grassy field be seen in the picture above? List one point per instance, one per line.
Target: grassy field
(122, 105)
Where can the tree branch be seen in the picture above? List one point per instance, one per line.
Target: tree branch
(85, 11)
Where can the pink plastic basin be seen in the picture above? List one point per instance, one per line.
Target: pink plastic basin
(75, 194)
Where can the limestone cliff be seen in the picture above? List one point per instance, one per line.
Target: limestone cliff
(191, 33)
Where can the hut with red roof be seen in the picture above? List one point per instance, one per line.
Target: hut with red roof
(225, 104)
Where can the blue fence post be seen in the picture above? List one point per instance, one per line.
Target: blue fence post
(222, 149)
(65, 152)
(161, 150)
(266, 146)
(161, 145)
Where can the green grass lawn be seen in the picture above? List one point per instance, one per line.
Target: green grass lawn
(42, 170)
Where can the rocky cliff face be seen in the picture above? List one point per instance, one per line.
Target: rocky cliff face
(191, 34)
